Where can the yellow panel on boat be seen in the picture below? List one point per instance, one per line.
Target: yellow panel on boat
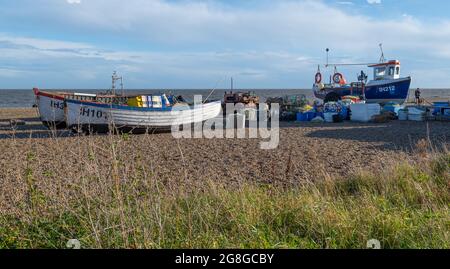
(135, 101)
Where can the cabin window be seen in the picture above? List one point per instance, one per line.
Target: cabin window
(391, 71)
(150, 101)
(144, 101)
(380, 72)
(157, 101)
(397, 70)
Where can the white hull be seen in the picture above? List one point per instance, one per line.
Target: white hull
(85, 113)
(80, 114)
(51, 110)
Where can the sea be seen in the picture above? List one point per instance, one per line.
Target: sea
(25, 98)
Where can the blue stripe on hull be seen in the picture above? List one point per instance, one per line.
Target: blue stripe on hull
(103, 105)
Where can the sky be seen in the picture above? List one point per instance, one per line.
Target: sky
(193, 44)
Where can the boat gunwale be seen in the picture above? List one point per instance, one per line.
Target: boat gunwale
(132, 108)
(58, 95)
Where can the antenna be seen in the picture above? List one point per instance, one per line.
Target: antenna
(113, 87)
(115, 78)
(121, 86)
(382, 59)
(232, 84)
(328, 50)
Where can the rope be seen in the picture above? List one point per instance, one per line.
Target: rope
(214, 89)
(356, 64)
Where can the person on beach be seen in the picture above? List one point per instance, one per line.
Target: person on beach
(417, 94)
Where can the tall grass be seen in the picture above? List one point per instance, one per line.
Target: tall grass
(110, 200)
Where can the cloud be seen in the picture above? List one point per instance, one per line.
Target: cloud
(61, 62)
(10, 73)
(39, 43)
(348, 3)
(189, 25)
(73, 2)
(274, 43)
(374, 2)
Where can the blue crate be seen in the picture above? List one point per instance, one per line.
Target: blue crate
(302, 117)
(438, 106)
(306, 116)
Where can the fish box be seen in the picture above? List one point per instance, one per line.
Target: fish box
(364, 112)
(302, 117)
(403, 114)
(416, 114)
(438, 106)
(328, 116)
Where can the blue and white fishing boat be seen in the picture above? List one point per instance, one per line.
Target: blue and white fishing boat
(386, 86)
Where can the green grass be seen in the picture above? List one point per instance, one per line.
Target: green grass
(406, 207)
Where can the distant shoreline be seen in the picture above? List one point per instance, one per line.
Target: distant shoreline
(199, 89)
(24, 98)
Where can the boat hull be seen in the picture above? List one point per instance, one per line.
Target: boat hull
(382, 91)
(51, 108)
(388, 91)
(100, 117)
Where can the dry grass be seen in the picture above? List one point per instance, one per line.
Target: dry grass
(109, 196)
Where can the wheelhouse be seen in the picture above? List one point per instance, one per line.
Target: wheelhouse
(386, 71)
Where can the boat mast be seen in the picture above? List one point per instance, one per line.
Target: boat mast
(121, 86)
(115, 78)
(382, 59)
(232, 85)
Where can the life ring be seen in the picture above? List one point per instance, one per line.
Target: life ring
(338, 78)
(318, 78)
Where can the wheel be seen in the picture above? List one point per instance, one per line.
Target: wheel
(332, 97)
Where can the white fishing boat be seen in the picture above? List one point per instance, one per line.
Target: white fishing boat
(158, 112)
(51, 107)
(51, 104)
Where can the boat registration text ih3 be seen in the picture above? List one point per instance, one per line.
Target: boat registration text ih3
(57, 104)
